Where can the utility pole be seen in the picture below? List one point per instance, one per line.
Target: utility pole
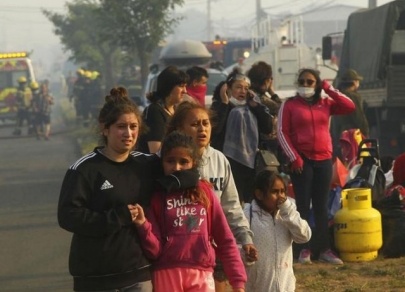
(208, 20)
(258, 14)
(372, 3)
(258, 9)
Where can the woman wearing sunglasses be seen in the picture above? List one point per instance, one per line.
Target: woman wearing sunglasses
(303, 133)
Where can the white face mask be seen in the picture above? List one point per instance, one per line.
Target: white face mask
(236, 102)
(306, 92)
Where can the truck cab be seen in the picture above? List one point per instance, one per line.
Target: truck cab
(374, 46)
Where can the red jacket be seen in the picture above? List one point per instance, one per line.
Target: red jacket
(304, 128)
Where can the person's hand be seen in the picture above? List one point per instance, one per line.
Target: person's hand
(251, 252)
(137, 214)
(325, 85)
(281, 198)
(271, 87)
(250, 98)
(297, 166)
(297, 170)
(238, 290)
(224, 93)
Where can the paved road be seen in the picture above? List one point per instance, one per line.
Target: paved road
(33, 248)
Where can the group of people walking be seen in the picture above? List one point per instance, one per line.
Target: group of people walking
(187, 209)
(34, 105)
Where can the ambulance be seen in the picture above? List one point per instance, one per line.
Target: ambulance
(13, 65)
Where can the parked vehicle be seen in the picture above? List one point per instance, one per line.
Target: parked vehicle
(374, 46)
(284, 49)
(182, 54)
(13, 65)
(229, 51)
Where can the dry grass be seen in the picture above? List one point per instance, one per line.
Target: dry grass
(377, 275)
(386, 275)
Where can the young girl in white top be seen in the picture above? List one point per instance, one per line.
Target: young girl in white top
(276, 224)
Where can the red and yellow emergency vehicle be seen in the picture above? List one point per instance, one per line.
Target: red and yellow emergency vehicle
(13, 65)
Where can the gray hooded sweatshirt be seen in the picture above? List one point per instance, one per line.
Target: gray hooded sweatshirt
(215, 168)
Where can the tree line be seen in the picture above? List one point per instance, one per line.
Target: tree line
(105, 35)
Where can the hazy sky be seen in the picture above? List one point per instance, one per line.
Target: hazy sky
(23, 26)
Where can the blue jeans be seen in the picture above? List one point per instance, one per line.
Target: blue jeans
(138, 287)
(313, 184)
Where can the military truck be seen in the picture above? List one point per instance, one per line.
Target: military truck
(374, 46)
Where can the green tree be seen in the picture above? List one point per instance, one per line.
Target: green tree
(81, 32)
(139, 25)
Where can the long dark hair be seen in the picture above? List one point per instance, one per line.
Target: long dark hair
(217, 91)
(170, 77)
(264, 181)
(258, 74)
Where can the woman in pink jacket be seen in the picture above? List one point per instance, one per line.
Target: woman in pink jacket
(184, 219)
(303, 133)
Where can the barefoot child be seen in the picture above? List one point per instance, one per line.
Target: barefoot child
(276, 224)
(184, 218)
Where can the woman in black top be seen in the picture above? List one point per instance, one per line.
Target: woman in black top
(261, 76)
(96, 200)
(171, 85)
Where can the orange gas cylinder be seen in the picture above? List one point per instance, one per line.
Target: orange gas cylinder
(357, 227)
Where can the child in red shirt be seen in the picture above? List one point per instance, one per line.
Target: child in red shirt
(183, 222)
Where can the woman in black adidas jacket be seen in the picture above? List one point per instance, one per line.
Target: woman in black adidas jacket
(95, 201)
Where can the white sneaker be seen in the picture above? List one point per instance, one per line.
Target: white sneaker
(330, 257)
(305, 257)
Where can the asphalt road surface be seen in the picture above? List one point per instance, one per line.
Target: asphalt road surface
(33, 248)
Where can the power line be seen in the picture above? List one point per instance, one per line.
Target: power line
(197, 2)
(283, 4)
(29, 7)
(233, 11)
(20, 21)
(319, 7)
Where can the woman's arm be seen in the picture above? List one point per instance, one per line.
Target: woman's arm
(155, 120)
(284, 127)
(75, 216)
(154, 146)
(263, 116)
(220, 115)
(232, 209)
(342, 104)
